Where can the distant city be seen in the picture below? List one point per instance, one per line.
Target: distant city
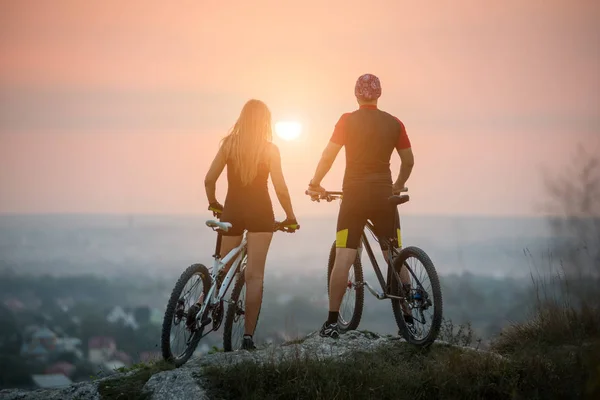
(84, 295)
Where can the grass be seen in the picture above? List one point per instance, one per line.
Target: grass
(554, 326)
(216, 349)
(463, 336)
(129, 387)
(400, 371)
(556, 355)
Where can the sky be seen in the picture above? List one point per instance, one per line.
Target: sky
(118, 107)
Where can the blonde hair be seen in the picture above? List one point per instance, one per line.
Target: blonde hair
(248, 140)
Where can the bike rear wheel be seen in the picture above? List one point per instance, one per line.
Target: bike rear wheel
(352, 304)
(176, 314)
(420, 297)
(236, 312)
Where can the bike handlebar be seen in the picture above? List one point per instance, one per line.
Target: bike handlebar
(318, 196)
(278, 226)
(286, 228)
(396, 199)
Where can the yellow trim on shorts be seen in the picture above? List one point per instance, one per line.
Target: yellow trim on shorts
(399, 233)
(341, 238)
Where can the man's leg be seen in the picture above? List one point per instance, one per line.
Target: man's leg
(387, 222)
(339, 280)
(351, 222)
(397, 235)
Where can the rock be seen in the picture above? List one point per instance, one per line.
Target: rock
(186, 382)
(313, 346)
(77, 391)
(177, 384)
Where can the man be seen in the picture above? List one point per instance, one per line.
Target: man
(370, 136)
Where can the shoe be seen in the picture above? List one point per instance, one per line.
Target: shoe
(248, 344)
(330, 330)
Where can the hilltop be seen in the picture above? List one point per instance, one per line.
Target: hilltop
(553, 356)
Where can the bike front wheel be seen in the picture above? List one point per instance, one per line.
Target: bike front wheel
(193, 285)
(352, 304)
(422, 296)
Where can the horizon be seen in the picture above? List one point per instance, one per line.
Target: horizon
(308, 216)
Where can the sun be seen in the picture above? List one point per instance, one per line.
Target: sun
(288, 130)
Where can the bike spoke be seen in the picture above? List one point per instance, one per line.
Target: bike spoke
(239, 321)
(420, 286)
(180, 334)
(349, 300)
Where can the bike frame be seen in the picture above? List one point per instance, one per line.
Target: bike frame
(391, 253)
(212, 297)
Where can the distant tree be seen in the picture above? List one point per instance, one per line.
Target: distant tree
(574, 208)
(10, 334)
(15, 372)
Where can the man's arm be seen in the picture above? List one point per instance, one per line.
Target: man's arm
(210, 180)
(338, 138)
(407, 160)
(327, 158)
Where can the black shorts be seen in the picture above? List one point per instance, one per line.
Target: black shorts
(253, 215)
(364, 204)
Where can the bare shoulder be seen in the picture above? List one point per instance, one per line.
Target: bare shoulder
(273, 150)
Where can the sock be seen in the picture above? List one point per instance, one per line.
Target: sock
(246, 336)
(333, 317)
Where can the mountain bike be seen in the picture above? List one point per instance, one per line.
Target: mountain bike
(196, 312)
(409, 298)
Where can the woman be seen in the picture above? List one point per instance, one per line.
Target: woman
(250, 157)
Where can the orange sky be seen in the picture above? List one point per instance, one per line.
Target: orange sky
(118, 106)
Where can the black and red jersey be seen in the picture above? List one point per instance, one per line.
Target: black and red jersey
(370, 136)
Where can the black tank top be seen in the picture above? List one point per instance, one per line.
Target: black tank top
(258, 185)
(252, 194)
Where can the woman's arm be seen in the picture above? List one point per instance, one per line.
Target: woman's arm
(283, 195)
(215, 170)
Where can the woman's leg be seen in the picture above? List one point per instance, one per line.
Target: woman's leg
(229, 243)
(258, 247)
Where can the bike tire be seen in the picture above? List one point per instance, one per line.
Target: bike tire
(360, 291)
(436, 322)
(232, 309)
(195, 269)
